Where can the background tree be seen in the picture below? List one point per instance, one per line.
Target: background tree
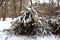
(20, 6)
(52, 5)
(4, 9)
(14, 8)
(58, 4)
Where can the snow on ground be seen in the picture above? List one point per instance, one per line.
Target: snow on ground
(6, 25)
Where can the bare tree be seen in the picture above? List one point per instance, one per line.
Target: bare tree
(58, 4)
(13, 9)
(1, 1)
(20, 6)
(4, 9)
(52, 7)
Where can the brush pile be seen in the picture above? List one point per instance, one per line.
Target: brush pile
(25, 25)
(30, 24)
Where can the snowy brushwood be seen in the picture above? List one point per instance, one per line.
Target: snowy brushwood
(30, 24)
(55, 28)
(26, 25)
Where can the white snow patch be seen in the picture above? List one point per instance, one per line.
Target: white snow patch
(6, 25)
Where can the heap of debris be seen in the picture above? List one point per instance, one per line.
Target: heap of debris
(54, 23)
(30, 24)
(26, 24)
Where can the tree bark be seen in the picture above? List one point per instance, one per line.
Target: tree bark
(4, 10)
(20, 6)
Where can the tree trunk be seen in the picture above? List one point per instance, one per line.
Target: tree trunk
(4, 10)
(14, 9)
(58, 4)
(20, 6)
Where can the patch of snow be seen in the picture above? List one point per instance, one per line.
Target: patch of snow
(6, 25)
(13, 37)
